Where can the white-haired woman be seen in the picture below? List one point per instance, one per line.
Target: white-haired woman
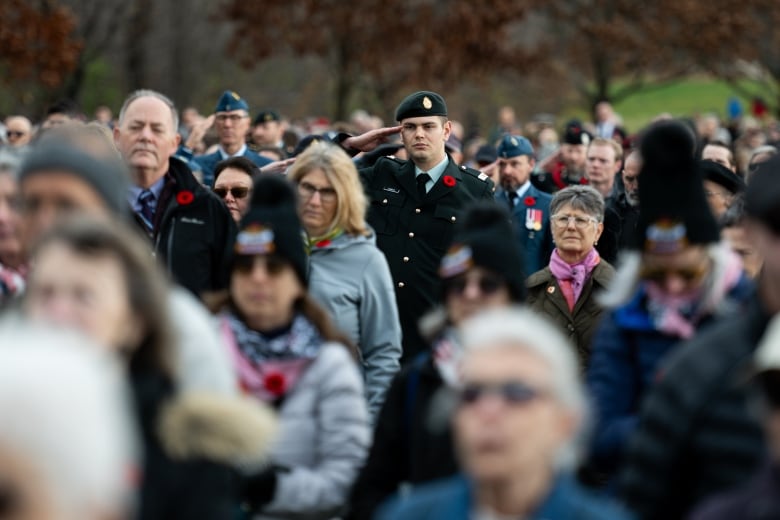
(565, 291)
(520, 411)
(349, 275)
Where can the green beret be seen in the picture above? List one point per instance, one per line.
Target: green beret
(421, 104)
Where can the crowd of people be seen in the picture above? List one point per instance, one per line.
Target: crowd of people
(222, 317)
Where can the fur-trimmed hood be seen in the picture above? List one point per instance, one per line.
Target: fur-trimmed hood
(231, 430)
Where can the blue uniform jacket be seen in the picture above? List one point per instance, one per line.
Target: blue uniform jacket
(451, 499)
(627, 350)
(534, 236)
(209, 162)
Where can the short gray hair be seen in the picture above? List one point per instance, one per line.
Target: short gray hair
(522, 327)
(150, 93)
(580, 197)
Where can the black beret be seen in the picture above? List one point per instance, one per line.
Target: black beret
(575, 134)
(762, 197)
(721, 175)
(421, 104)
(266, 116)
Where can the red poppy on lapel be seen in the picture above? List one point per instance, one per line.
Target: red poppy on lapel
(529, 201)
(275, 383)
(185, 197)
(448, 180)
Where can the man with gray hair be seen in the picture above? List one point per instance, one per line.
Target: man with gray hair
(190, 228)
(518, 426)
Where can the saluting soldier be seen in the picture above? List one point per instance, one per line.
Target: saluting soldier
(567, 166)
(415, 204)
(529, 206)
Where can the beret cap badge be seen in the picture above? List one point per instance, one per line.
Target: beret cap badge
(427, 103)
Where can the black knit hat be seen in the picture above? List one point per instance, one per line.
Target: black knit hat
(486, 239)
(674, 210)
(107, 177)
(272, 225)
(762, 197)
(722, 176)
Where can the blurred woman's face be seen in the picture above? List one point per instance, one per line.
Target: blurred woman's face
(265, 289)
(475, 290)
(88, 293)
(677, 274)
(319, 202)
(234, 187)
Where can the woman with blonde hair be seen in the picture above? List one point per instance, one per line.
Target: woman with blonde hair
(349, 275)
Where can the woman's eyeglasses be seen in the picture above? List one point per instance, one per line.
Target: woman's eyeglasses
(238, 192)
(307, 191)
(562, 221)
(246, 263)
(487, 284)
(512, 392)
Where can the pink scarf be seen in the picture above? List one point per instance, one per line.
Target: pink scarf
(572, 277)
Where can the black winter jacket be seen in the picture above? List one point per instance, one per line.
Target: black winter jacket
(404, 447)
(193, 232)
(697, 435)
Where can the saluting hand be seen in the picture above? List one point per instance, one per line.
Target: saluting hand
(278, 166)
(198, 132)
(371, 139)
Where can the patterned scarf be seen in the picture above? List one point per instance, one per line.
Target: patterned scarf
(323, 241)
(572, 277)
(447, 354)
(302, 341)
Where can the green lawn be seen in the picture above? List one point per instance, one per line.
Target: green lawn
(688, 97)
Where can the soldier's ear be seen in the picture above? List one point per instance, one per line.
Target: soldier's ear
(447, 129)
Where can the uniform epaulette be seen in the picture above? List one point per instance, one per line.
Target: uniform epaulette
(393, 158)
(474, 173)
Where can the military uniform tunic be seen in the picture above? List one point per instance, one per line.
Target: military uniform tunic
(414, 233)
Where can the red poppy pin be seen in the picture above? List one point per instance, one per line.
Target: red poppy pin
(448, 181)
(529, 201)
(275, 383)
(322, 243)
(185, 197)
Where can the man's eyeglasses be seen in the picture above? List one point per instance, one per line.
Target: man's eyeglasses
(562, 221)
(487, 284)
(512, 392)
(238, 192)
(307, 191)
(233, 118)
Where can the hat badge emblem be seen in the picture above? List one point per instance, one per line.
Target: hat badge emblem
(268, 117)
(513, 141)
(235, 96)
(427, 103)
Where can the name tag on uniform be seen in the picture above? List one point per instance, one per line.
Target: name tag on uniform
(392, 190)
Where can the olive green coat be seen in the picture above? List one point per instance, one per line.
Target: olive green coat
(545, 297)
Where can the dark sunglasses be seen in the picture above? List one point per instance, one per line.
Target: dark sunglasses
(487, 284)
(660, 275)
(238, 192)
(246, 263)
(513, 392)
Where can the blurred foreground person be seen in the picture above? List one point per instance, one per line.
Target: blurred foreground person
(679, 281)
(759, 498)
(482, 270)
(565, 290)
(349, 275)
(287, 353)
(12, 262)
(520, 412)
(697, 434)
(67, 447)
(100, 279)
(59, 179)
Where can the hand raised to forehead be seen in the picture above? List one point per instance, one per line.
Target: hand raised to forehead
(371, 139)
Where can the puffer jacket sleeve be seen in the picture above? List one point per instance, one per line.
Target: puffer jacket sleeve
(380, 331)
(341, 445)
(613, 384)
